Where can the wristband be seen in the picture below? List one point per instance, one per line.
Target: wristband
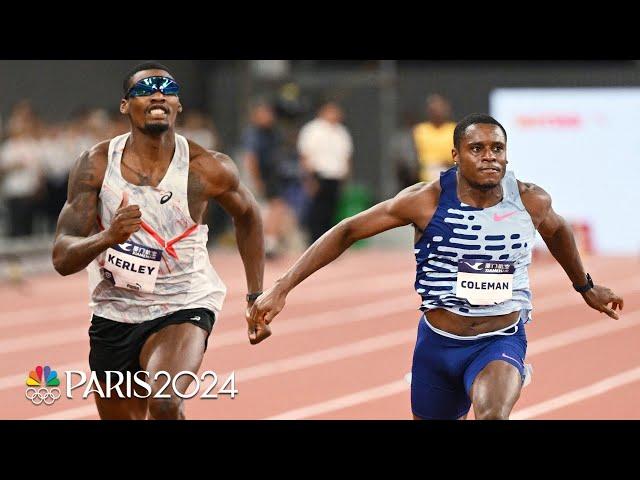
(253, 296)
(585, 288)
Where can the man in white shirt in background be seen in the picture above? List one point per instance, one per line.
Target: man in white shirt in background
(21, 175)
(325, 148)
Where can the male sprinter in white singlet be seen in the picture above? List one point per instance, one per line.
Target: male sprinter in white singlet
(134, 218)
(475, 228)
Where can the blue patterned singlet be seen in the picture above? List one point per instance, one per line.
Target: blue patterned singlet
(504, 232)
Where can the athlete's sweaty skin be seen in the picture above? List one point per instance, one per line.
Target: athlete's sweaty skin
(482, 160)
(146, 158)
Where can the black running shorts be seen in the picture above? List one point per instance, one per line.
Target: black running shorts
(116, 346)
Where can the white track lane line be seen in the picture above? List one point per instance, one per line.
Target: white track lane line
(390, 305)
(321, 295)
(380, 342)
(595, 389)
(71, 413)
(305, 295)
(537, 347)
(339, 403)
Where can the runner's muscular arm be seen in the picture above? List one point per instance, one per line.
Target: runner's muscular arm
(558, 236)
(414, 205)
(73, 248)
(216, 176)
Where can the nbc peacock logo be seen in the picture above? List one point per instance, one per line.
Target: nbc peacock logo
(39, 382)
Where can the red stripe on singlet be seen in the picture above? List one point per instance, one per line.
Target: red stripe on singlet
(168, 246)
(153, 233)
(184, 234)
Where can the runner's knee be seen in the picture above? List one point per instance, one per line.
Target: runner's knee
(492, 412)
(130, 413)
(166, 408)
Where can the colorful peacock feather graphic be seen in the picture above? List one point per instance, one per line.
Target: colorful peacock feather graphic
(36, 378)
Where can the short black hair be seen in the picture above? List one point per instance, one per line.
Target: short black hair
(139, 68)
(472, 119)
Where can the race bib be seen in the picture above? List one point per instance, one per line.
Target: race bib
(485, 283)
(132, 266)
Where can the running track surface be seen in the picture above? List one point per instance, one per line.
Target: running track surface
(343, 345)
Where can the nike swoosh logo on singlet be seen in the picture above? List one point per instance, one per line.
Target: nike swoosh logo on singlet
(499, 218)
(507, 356)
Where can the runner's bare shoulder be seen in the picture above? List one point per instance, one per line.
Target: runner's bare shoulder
(535, 199)
(215, 170)
(90, 168)
(418, 203)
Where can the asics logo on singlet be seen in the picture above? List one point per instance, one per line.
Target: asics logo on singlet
(499, 218)
(475, 266)
(166, 197)
(125, 246)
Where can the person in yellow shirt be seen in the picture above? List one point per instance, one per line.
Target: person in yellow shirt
(434, 139)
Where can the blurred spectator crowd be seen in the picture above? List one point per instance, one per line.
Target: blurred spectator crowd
(36, 157)
(295, 157)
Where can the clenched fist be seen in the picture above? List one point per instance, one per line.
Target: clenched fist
(125, 222)
(263, 311)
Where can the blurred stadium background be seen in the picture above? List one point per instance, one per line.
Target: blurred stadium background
(572, 128)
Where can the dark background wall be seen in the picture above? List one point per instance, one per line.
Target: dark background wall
(222, 88)
(58, 87)
(469, 85)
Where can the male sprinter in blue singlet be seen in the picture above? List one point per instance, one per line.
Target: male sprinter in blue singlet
(475, 228)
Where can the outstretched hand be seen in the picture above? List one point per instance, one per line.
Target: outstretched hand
(262, 313)
(256, 331)
(600, 297)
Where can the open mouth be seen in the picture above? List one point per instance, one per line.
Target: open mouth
(158, 111)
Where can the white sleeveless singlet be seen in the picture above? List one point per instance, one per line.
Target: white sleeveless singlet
(163, 267)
